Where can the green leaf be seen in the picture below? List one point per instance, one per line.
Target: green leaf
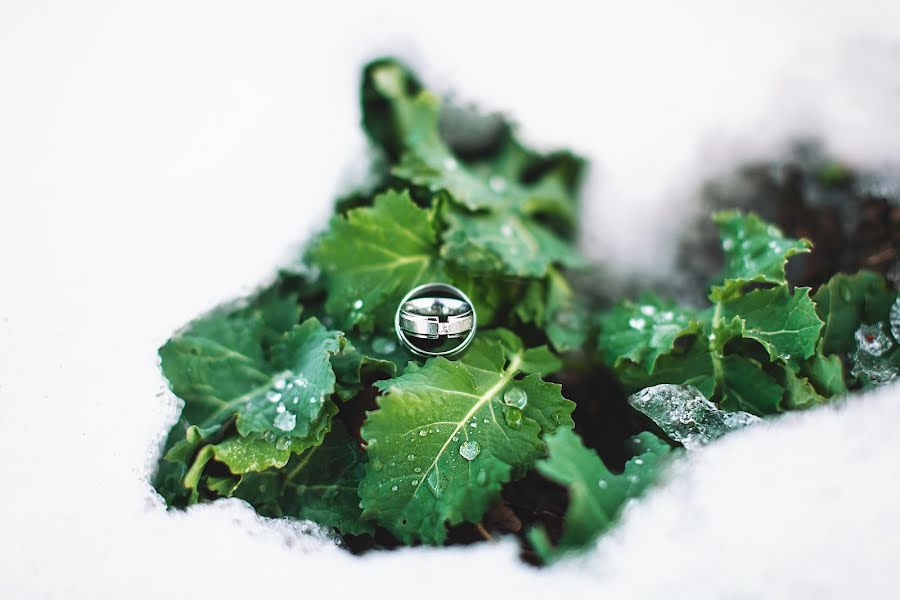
(691, 365)
(408, 120)
(505, 243)
(319, 485)
(449, 434)
(642, 332)
(181, 445)
(747, 387)
(784, 323)
(845, 302)
(372, 256)
(825, 373)
(567, 323)
(799, 392)
(754, 250)
(225, 376)
(596, 495)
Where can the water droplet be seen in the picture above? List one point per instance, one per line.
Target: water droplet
(410, 457)
(280, 408)
(279, 384)
(728, 244)
(358, 304)
(376, 462)
(269, 436)
(469, 449)
(383, 345)
(273, 396)
(436, 483)
(486, 420)
(422, 433)
(506, 229)
(633, 478)
(513, 416)
(455, 438)
(285, 421)
(315, 399)
(417, 470)
(636, 323)
(515, 396)
(873, 339)
(394, 488)
(667, 316)
(415, 482)
(497, 183)
(473, 424)
(450, 164)
(602, 484)
(639, 461)
(648, 311)
(481, 478)
(283, 443)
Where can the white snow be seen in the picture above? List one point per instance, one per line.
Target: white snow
(158, 158)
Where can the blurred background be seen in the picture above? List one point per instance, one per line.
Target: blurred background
(157, 158)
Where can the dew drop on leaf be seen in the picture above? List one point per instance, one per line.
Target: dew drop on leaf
(497, 183)
(273, 396)
(515, 396)
(283, 443)
(358, 304)
(436, 483)
(269, 437)
(394, 488)
(285, 421)
(513, 417)
(280, 408)
(470, 449)
(602, 484)
(423, 433)
(636, 323)
(410, 457)
(481, 478)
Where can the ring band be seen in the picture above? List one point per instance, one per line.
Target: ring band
(435, 313)
(421, 317)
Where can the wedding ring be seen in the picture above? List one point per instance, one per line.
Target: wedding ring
(435, 319)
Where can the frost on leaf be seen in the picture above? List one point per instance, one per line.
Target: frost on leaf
(686, 416)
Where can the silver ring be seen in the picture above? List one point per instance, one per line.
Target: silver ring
(431, 316)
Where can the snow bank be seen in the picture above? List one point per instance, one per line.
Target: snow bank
(156, 159)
